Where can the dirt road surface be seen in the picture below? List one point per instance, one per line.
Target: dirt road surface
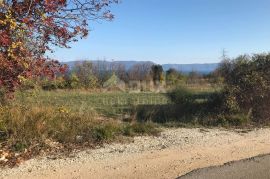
(174, 153)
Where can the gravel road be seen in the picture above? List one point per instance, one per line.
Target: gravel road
(172, 154)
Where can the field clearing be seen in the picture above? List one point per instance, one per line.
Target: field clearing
(108, 104)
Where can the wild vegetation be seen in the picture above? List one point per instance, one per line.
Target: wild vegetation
(48, 106)
(53, 122)
(82, 114)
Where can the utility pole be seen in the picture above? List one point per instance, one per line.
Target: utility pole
(224, 54)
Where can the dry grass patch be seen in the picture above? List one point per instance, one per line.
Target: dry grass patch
(28, 130)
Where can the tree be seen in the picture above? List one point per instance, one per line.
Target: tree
(29, 28)
(173, 77)
(157, 73)
(73, 81)
(102, 71)
(194, 77)
(140, 71)
(120, 71)
(84, 72)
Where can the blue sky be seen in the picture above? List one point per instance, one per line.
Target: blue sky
(176, 31)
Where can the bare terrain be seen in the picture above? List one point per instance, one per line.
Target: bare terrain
(174, 153)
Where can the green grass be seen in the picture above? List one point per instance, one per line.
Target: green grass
(155, 107)
(106, 104)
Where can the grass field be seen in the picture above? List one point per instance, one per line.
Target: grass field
(34, 119)
(108, 104)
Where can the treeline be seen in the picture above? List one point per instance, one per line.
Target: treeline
(87, 75)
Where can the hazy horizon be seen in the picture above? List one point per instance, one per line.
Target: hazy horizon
(107, 60)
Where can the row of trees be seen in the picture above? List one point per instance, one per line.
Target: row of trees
(90, 76)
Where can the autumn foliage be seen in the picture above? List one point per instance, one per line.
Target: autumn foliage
(30, 28)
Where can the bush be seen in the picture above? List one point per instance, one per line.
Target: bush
(28, 84)
(181, 95)
(53, 84)
(72, 81)
(49, 85)
(105, 132)
(221, 102)
(247, 85)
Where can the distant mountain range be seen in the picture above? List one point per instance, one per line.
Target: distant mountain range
(185, 68)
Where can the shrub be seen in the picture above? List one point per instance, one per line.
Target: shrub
(28, 84)
(72, 81)
(53, 84)
(105, 132)
(48, 84)
(221, 102)
(181, 95)
(247, 85)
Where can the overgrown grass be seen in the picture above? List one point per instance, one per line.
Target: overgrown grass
(27, 125)
(29, 128)
(66, 116)
(79, 117)
(182, 105)
(193, 108)
(38, 120)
